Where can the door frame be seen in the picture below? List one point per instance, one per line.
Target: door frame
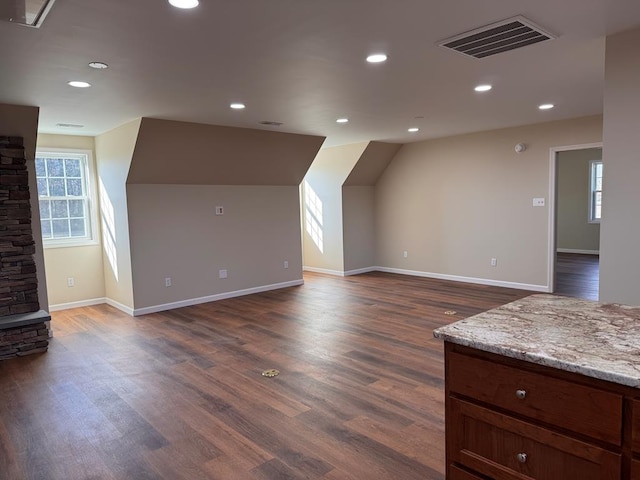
(553, 211)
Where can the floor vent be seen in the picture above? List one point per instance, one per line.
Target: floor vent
(497, 38)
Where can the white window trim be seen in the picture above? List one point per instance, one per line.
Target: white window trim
(91, 194)
(591, 190)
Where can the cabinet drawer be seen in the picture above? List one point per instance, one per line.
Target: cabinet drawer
(503, 447)
(579, 408)
(456, 473)
(635, 470)
(635, 427)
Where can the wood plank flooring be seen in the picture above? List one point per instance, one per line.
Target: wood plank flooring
(179, 394)
(578, 275)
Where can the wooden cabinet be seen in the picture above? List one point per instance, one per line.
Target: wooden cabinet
(512, 420)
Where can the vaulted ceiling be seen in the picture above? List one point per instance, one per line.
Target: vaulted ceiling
(302, 63)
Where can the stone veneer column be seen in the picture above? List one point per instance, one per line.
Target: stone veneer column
(18, 281)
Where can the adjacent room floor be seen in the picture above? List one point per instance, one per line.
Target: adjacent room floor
(180, 395)
(578, 275)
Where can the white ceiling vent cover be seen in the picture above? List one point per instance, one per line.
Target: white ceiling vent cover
(510, 34)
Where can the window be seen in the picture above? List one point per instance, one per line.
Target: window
(66, 210)
(595, 189)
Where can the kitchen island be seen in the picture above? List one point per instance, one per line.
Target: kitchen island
(544, 388)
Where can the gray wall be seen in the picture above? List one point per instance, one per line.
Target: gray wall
(620, 236)
(574, 232)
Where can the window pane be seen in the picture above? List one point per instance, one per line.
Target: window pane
(55, 167)
(42, 187)
(40, 169)
(45, 225)
(74, 187)
(64, 206)
(60, 228)
(59, 209)
(45, 209)
(76, 208)
(77, 227)
(72, 168)
(56, 187)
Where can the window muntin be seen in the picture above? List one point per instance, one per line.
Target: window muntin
(595, 191)
(64, 198)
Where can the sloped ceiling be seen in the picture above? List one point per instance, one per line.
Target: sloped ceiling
(373, 161)
(170, 152)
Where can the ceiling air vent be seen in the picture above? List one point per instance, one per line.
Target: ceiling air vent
(271, 124)
(498, 37)
(25, 12)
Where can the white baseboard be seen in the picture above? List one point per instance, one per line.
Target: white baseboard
(574, 250)
(359, 271)
(119, 306)
(212, 298)
(337, 273)
(82, 303)
(456, 278)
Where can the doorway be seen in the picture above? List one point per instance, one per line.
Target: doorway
(576, 173)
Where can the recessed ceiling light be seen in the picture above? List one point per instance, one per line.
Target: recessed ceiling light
(483, 88)
(546, 106)
(184, 3)
(69, 125)
(413, 129)
(78, 84)
(377, 58)
(237, 106)
(342, 120)
(98, 65)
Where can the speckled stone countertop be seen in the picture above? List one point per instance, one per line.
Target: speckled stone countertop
(590, 338)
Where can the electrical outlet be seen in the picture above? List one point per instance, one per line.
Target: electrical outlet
(222, 274)
(219, 210)
(538, 202)
(494, 262)
(71, 282)
(286, 264)
(405, 254)
(167, 282)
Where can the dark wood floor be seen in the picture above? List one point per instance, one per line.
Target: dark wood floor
(179, 394)
(578, 275)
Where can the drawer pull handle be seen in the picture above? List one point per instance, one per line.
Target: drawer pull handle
(522, 457)
(521, 394)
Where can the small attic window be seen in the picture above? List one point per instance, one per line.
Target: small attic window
(25, 12)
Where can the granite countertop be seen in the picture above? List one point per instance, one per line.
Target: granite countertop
(581, 336)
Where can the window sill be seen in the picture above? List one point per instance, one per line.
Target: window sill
(70, 244)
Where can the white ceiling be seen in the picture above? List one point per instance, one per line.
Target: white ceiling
(302, 62)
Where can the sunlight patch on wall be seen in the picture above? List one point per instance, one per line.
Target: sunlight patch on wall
(107, 217)
(313, 215)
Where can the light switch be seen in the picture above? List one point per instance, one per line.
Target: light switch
(538, 202)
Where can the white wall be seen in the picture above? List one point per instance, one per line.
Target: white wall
(114, 152)
(620, 226)
(83, 263)
(328, 172)
(574, 232)
(175, 233)
(358, 213)
(455, 203)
